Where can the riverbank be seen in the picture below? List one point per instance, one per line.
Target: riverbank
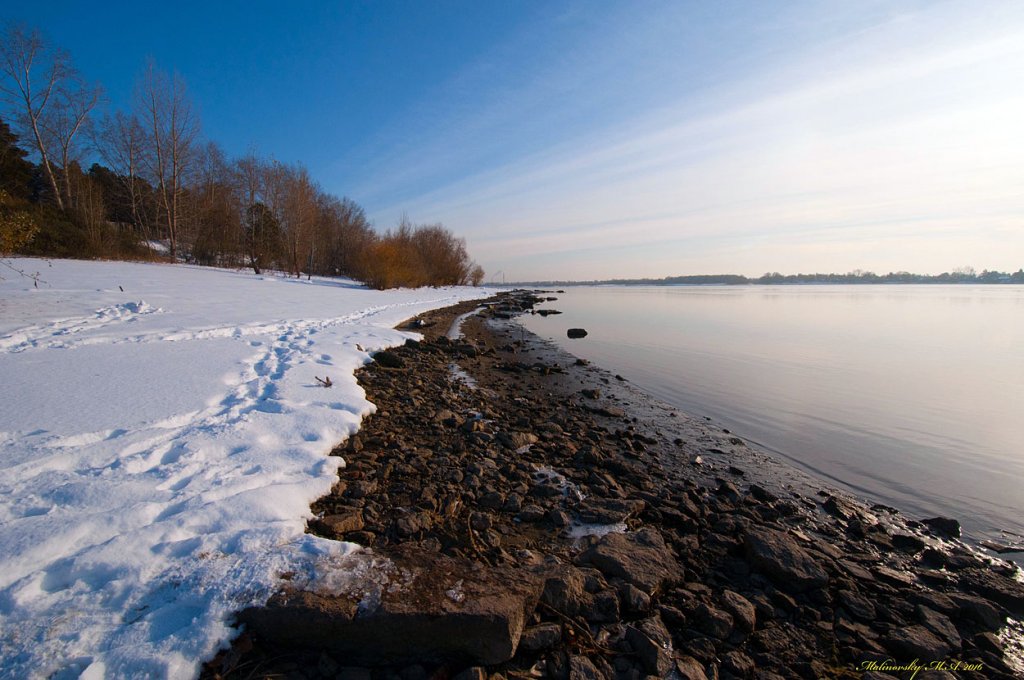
(532, 516)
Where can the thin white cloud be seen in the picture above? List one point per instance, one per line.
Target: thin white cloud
(904, 134)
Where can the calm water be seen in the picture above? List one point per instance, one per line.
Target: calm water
(908, 395)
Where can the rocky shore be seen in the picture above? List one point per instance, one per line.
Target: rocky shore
(526, 515)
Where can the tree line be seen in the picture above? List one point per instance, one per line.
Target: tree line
(157, 189)
(959, 275)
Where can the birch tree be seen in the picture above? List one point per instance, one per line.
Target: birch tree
(34, 76)
(71, 105)
(173, 128)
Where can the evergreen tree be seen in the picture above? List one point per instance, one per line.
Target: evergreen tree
(16, 172)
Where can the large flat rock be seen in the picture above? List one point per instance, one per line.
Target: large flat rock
(405, 606)
(778, 555)
(640, 558)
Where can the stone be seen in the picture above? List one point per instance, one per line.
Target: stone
(989, 642)
(363, 538)
(934, 559)
(769, 675)
(338, 525)
(409, 606)
(738, 663)
(652, 644)
(607, 411)
(516, 440)
(564, 591)
(540, 637)
(858, 606)
(531, 513)
(940, 602)
(908, 543)
(916, 642)
(958, 562)
(713, 622)
(574, 333)
(633, 600)
(361, 489)
(856, 571)
(491, 500)
(943, 526)
(893, 576)
(940, 625)
(480, 521)
(559, 518)
(778, 555)
(689, 668)
(409, 525)
(728, 489)
(603, 607)
(979, 610)
(327, 666)
(472, 673)
(999, 588)
(744, 615)
(838, 507)
(607, 510)
(389, 359)
(703, 648)
(762, 494)
(593, 581)
(640, 558)
(582, 668)
(513, 503)
(557, 666)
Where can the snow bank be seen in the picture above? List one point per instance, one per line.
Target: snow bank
(162, 435)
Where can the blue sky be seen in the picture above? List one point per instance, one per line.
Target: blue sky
(580, 140)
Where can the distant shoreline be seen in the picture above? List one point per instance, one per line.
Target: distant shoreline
(776, 279)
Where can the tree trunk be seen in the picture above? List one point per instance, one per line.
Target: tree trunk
(46, 165)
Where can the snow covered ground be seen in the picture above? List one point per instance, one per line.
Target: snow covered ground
(159, 449)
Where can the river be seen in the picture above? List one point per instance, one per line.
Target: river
(908, 395)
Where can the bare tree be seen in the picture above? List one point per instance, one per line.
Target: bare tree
(342, 233)
(476, 275)
(255, 188)
(121, 140)
(219, 229)
(442, 257)
(173, 128)
(292, 196)
(89, 206)
(23, 56)
(71, 105)
(250, 180)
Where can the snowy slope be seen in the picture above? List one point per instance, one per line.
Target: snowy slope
(160, 447)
